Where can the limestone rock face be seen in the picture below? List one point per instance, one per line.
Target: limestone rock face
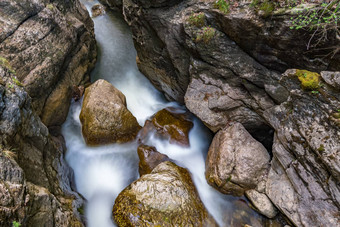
(30, 160)
(236, 161)
(149, 158)
(170, 123)
(306, 154)
(50, 47)
(104, 116)
(165, 197)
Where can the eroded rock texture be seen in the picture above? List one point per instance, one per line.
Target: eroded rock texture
(50, 47)
(165, 197)
(34, 178)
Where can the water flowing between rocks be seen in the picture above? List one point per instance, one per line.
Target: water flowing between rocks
(102, 172)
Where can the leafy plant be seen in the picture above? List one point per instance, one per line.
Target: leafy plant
(205, 34)
(197, 19)
(222, 5)
(16, 224)
(322, 20)
(17, 82)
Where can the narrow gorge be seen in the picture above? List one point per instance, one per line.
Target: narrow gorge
(169, 113)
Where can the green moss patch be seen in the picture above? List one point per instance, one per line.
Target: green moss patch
(4, 63)
(197, 19)
(309, 80)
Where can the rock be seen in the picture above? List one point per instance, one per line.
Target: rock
(77, 92)
(164, 45)
(165, 197)
(50, 47)
(262, 203)
(306, 159)
(97, 10)
(236, 161)
(38, 161)
(170, 123)
(104, 116)
(332, 78)
(149, 158)
(113, 4)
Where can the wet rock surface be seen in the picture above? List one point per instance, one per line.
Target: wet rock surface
(149, 158)
(50, 47)
(97, 10)
(165, 197)
(105, 117)
(170, 123)
(236, 161)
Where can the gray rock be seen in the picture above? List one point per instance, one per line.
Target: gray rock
(236, 161)
(50, 47)
(332, 78)
(262, 203)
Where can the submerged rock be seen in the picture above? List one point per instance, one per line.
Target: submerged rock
(104, 116)
(170, 123)
(165, 197)
(97, 10)
(236, 161)
(149, 158)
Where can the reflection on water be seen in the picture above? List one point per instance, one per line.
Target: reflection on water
(102, 172)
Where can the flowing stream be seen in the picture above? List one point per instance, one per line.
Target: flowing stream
(101, 173)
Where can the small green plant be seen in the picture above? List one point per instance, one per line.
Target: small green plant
(4, 63)
(17, 82)
(315, 92)
(322, 20)
(50, 6)
(7, 152)
(321, 148)
(222, 5)
(267, 7)
(205, 34)
(197, 19)
(16, 224)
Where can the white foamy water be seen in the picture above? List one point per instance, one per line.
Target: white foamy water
(101, 173)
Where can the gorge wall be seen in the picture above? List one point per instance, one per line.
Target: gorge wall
(234, 66)
(46, 48)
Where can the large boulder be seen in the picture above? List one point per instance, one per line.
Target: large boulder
(149, 158)
(105, 117)
(50, 47)
(170, 123)
(236, 161)
(165, 197)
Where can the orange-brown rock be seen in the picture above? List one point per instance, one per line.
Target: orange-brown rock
(104, 116)
(170, 123)
(165, 197)
(149, 158)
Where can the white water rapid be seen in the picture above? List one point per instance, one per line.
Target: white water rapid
(101, 173)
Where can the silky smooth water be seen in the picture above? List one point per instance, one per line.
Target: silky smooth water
(101, 173)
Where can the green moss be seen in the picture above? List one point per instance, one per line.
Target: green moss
(222, 5)
(50, 6)
(81, 210)
(321, 148)
(4, 63)
(17, 82)
(267, 7)
(197, 19)
(309, 80)
(205, 34)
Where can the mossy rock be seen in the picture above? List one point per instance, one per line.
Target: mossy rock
(170, 123)
(309, 80)
(165, 197)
